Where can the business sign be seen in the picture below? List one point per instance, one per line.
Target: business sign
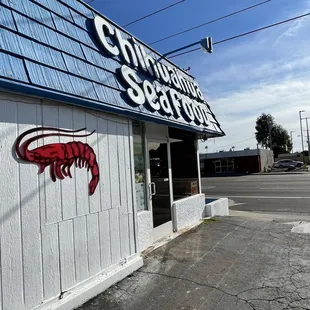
(165, 88)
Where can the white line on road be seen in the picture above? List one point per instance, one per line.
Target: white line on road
(283, 188)
(263, 197)
(238, 204)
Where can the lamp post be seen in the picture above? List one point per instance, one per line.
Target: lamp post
(302, 138)
(292, 139)
(306, 118)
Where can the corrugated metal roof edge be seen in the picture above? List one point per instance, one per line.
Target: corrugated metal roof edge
(12, 86)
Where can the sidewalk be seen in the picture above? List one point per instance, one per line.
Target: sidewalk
(246, 261)
(281, 172)
(285, 171)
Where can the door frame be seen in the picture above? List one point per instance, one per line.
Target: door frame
(164, 139)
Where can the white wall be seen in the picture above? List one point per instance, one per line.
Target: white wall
(267, 159)
(54, 235)
(145, 229)
(218, 207)
(188, 211)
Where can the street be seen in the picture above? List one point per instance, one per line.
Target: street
(283, 193)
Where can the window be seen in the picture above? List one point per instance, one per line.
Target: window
(218, 168)
(224, 165)
(139, 162)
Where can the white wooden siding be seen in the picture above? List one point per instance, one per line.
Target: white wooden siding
(104, 167)
(50, 261)
(105, 239)
(80, 248)
(30, 216)
(92, 122)
(53, 234)
(11, 240)
(66, 251)
(114, 169)
(51, 190)
(69, 206)
(93, 243)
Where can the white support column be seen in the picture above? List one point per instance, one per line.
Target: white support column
(173, 215)
(198, 165)
(147, 170)
(134, 203)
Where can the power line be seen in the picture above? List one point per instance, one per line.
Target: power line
(156, 12)
(209, 22)
(245, 34)
(245, 140)
(233, 143)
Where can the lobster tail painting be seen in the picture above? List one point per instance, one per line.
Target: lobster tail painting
(59, 156)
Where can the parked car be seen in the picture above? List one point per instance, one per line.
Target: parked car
(285, 163)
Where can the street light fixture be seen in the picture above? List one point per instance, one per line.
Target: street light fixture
(205, 44)
(302, 138)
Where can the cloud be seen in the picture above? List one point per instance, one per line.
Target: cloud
(255, 76)
(238, 111)
(296, 25)
(253, 71)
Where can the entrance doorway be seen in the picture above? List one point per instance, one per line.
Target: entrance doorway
(159, 187)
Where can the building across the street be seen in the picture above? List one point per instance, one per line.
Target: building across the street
(98, 152)
(236, 162)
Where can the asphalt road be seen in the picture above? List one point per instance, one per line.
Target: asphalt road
(284, 193)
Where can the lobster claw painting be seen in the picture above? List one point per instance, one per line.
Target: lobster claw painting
(59, 156)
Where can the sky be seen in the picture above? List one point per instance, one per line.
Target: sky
(266, 72)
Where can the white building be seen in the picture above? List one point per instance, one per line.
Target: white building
(77, 91)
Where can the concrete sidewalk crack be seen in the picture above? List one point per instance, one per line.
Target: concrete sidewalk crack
(248, 244)
(187, 280)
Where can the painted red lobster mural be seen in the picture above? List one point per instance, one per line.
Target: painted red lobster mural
(59, 156)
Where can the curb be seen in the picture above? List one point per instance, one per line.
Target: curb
(280, 173)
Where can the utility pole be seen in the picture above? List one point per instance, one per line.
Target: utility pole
(270, 137)
(308, 137)
(292, 140)
(302, 137)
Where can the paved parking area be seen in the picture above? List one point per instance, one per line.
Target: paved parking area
(240, 262)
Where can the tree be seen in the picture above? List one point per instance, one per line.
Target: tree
(263, 124)
(281, 142)
(271, 135)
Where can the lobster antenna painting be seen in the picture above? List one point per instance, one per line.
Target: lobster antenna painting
(59, 156)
